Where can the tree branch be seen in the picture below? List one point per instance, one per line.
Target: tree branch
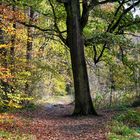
(116, 25)
(122, 15)
(129, 24)
(85, 14)
(35, 26)
(101, 54)
(95, 53)
(55, 24)
(115, 15)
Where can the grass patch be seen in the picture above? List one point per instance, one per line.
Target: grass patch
(120, 131)
(125, 126)
(10, 136)
(130, 117)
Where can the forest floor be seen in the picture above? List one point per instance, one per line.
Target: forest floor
(54, 123)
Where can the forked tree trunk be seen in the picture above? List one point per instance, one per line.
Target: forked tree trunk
(83, 101)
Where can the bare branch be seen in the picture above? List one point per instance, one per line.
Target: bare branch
(115, 15)
(95, 54)
(55, 24)
(35, 26)
(101, 54)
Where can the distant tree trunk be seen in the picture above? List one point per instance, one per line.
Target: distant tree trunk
(83, 101)
(112, 85)
(3, 51)
(12, 48)
(137, 72)
(97, 70)
(137, 82)
(29, 47)
(30, 38)
(3, 63)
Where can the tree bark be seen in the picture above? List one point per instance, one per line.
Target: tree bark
(3, 51)
(83, 101)
(30, 38)
(29, 48)
(3, 63)
(12, 48)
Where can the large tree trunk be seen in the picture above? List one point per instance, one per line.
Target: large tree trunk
(83, 101)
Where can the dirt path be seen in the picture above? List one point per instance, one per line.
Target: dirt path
(53, 123)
